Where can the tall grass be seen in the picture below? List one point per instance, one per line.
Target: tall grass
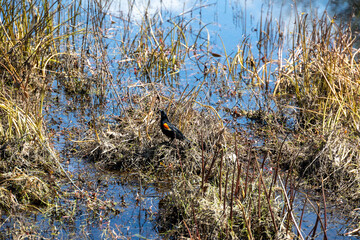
(30, 49)
(323, 75)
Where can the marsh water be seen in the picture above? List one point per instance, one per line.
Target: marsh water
(134, 204)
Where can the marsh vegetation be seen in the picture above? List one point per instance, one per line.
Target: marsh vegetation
(269, 123)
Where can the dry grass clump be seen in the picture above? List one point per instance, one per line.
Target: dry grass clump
(330, 161)
(31, 36)
(322, 75)
(26, 164)
(76, 75)
(29, 47)
(136, 142)
(26, 177)
(234, 205)
(20, 190)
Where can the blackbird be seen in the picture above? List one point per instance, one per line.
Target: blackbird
(169, 129)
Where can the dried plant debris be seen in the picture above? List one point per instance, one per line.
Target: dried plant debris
(206, 215)
(214, 179)
(27, 174)
(330, 161)
(136, 142)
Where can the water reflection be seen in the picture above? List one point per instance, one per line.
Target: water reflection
(235, 20)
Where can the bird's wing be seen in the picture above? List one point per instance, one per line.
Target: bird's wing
(166, 126)
(178, 133)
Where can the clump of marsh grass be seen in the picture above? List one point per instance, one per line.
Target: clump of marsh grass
(26, 160)
(28, 36)
(241, 200)
(30, 43)
(135, 140)
(322, 75)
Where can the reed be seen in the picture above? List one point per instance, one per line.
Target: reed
(30, 47)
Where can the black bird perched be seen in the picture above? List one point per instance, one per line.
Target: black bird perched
(169, 129)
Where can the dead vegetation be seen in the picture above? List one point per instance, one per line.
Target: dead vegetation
(218, 188)
(323, 76)
(27, 167)
(222, 187)
(135, 141)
